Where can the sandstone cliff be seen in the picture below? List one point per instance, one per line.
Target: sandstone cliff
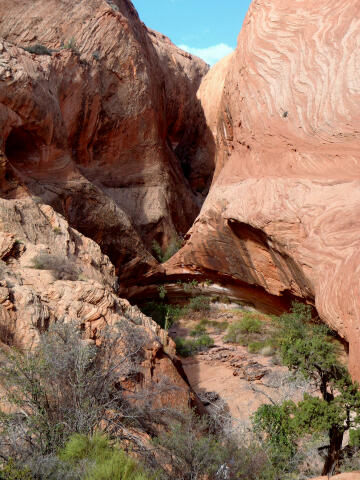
(281, 220)
(49, 271)
(104, 129)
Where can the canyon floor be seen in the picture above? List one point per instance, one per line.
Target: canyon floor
(229, 374)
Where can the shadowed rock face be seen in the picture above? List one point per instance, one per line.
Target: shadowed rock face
(282, 216)
(49, 271)
(105, 129)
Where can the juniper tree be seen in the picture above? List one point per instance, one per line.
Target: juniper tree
(308, 348)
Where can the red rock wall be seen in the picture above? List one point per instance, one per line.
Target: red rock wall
(92, 129)
(282, 218)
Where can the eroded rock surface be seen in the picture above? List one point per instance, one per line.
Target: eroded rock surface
(104, 129)
(281, 220)
(49, 271)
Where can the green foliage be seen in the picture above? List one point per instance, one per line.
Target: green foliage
(188, 287)
(106, 462)
(162, 291)
(309, 349)
(355, 438)
(57, 230)
(38, 49)
(187, 347)
(10, 471)
(200, 304)
(277, 422)
(266, 346)
(163, 314)
(163, 255)
(71, 45)
(63, 386)
(198, 330)
(306, 347)
(240, 331)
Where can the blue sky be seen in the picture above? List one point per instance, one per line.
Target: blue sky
(207, 28)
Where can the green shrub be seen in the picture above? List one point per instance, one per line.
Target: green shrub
(189, 287)
(198, 451)
(105, 462)
(187, 347)
(163, 314)
(9, 471)
(354, 438)
(64, 386)
(239, 332)
(198, 330)
(265, 347)
(71, 45)
(38, 49)
(163, 255)
(200, 304)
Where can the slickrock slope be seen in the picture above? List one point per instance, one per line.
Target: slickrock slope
(50, 271)
(282, 218)
(100, 129)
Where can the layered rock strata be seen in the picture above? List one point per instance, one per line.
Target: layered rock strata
(281, 220)
(49, 271)
(104, 127)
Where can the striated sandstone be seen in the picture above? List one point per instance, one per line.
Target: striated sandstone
(104, 131)
(281, 220)
(31, 298)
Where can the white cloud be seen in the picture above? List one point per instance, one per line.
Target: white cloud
(212, 54)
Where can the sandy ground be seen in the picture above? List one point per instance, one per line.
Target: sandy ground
(241, 380)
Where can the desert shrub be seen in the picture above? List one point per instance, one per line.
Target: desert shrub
(38, 49)
(198, 330)
(187, 347)
(189, 287)
(218, 326)
(71, 45)
(163, 314)
(9, 471)
(200, 304)
(265, 347)
(197, 450)
(100, 459)
(57, 230)
(163, 255)
(61, 267)
(240, 331)
(65, 386)
(162, 291)
(112, 5)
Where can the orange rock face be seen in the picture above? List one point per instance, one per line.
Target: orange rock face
(281, 220)
(100, 128)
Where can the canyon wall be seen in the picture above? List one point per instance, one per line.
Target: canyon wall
(98, 158)
(104, 128)
(281, 220)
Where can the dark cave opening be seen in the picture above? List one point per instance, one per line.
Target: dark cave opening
(23, 148)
